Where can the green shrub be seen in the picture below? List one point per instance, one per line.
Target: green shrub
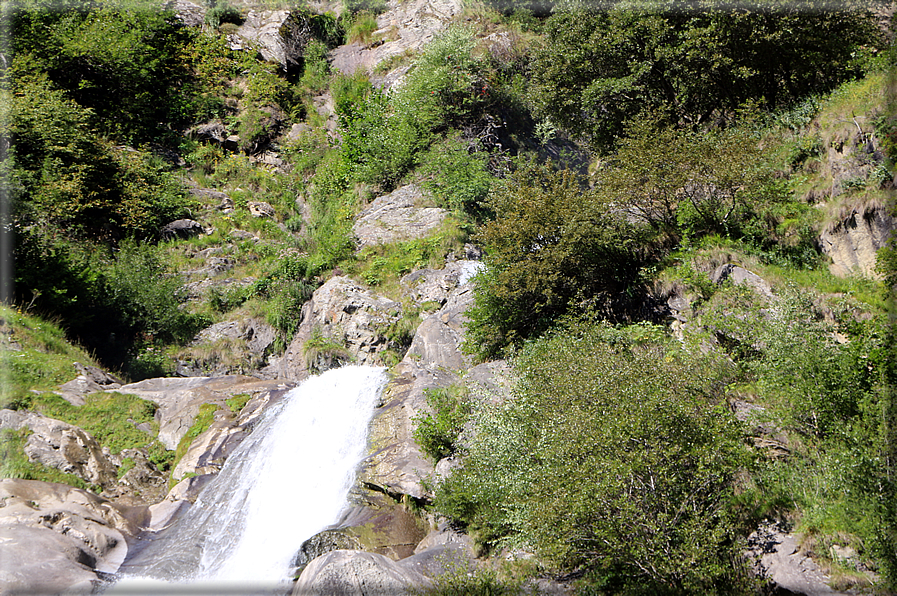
(220, 12)
(458, 179)
(321, 350)
(553, 245)
(237, 402)
(618, 463)
(363, 26)
(437, 433)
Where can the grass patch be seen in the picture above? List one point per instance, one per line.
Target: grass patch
(201, 424)
(43, 360)
(237, 402)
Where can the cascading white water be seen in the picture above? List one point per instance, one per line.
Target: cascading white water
(285, 482)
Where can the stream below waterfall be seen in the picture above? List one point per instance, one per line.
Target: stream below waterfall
(288, 480)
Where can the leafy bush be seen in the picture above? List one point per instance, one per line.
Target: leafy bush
(552, 246)
(458, 179)
(437, 432)
(619, 463)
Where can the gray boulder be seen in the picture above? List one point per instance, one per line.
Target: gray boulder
(55, 538)
(62, 446)
(397, 216)
(345, 314)
(181, 228)
(741, 276)
(279, 35)
(357, 573)
(90, 380)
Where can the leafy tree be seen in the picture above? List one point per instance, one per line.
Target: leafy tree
(553, 245)
(596, 71)
(613, 461)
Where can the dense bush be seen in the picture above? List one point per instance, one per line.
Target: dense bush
(552, 246)
(438, 432)
(598, 70)
(615, 461)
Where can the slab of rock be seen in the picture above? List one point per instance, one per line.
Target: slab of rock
(63, 446)
(437, 343)
(208, 452)
(55, 538)
(395, 216)
(854, 242)
(405, 26)
(347, 314)
(435, 285)
(357, 573)
(179, 398)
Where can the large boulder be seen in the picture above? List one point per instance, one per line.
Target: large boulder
(279, 35)
(229, 347)
(62, 446)
(357, 573)
(90, 380)
(853, 242)
(179, 399)
(349, 318)
(181, 228)
(55, 538)
(397, 216)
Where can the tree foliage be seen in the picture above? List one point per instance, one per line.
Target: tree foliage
(553, 245)
(598, 70)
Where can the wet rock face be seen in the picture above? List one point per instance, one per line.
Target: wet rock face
(55, 538)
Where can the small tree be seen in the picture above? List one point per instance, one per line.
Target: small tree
(553, 244)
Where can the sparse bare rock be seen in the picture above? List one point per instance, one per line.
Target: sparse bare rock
(357, 573)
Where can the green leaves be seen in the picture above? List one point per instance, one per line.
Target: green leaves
(553, 245)
(615, 461)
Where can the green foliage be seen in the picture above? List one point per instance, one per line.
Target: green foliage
(458, 179)
(110, 417)
(222, 12)
(148, 298)
(459, 580)
(598, 70)
(15, 464)
(552, 246)
(286, 288)
(320, 351)
(437, 433)
(617, 462)
(42, 362)
(238, 401)
(363, 26)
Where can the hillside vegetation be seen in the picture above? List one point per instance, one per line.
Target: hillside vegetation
(607, 163)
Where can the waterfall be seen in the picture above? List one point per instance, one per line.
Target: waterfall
(286, 481)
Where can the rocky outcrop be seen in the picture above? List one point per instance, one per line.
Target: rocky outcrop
(90, 380)
(279, 35)
(207, 453)
(397, 216)
(344, 316)
(179, 398)
(779, 560)
(181, 228)
(403, 29)
(62, 446)
(853, 242)
(228, 347)
(55, 538)
(357, 573)
(740, 276)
